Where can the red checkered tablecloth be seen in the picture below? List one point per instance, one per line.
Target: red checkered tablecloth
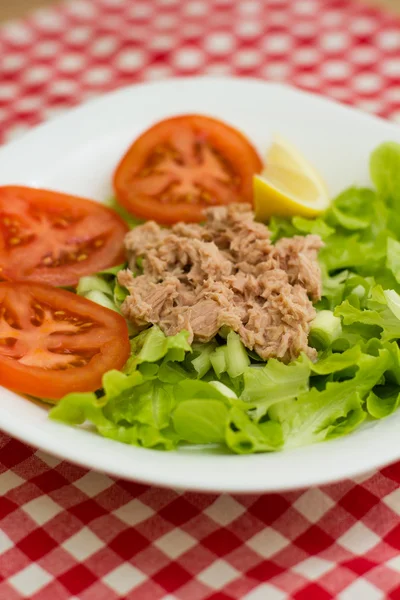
(69, 533)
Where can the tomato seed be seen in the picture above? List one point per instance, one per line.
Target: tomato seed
(15, 241)
(82, 257)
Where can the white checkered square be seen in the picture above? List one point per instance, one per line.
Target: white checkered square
(134, 512)
(9, 481)
(175, 543)
(124, 578)
(225, 510)
(218, 574)
(83, 544)
(268, 542)
(314, 504)
(42, 509)
(313, 568)
(30, 580)
(266, 591)
(361, 589)
(93, 483)
(358, 539)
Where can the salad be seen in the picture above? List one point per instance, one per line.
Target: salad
(100, 304)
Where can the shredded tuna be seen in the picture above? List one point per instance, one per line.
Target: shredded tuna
(225, 273)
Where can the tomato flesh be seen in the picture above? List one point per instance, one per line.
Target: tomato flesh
(53, 342)
(182, 165)
(55, 238)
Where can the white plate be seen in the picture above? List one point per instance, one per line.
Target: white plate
(78, 152)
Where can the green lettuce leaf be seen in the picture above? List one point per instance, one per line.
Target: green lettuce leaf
(201, 421)
(142, 435)
(115, 382)
(332, 288)
(361, 254)
(264, 386)
(244, 436)
(319, 414)
(171, 372)
(281, 227)
(129, 219)
(313, 226)
(353, 209)
(383, 400)
(331, 363)
(112, 271)
(135, 416)
(94, 283)
(79, 407)
(393, 258)
(150, 403)
(378, 314)
(195, 389)
(152, 345)
(385, 171)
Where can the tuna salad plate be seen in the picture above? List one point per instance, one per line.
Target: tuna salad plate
(200, 287)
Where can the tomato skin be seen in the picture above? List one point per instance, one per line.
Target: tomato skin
(108, 341)
(56, 238)
(232, 145)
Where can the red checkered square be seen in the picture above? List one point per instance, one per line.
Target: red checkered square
(77, 579)
(358, 501)
(66, 532)
(37, 544)
(128, 543)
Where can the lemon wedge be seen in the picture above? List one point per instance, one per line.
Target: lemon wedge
(289, 185)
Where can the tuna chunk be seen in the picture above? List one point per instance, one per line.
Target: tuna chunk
(226, 272)
(298, 257)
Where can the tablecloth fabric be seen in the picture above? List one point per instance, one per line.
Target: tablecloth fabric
(69, 533)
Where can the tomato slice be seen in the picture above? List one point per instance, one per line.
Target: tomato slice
(53, 342)
(184, 164)
(56, 238)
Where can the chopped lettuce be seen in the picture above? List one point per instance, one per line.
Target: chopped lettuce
(393, 258)
(385, 172)
(383, 400)
(275, 382)
(201, 421)
(316, 414)
(171, 392)
(379, 313)
(153, 345)
(313, 226)
(281, 227)
(244, 436)
(353, 209)
(330, 362)
(130, 219)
